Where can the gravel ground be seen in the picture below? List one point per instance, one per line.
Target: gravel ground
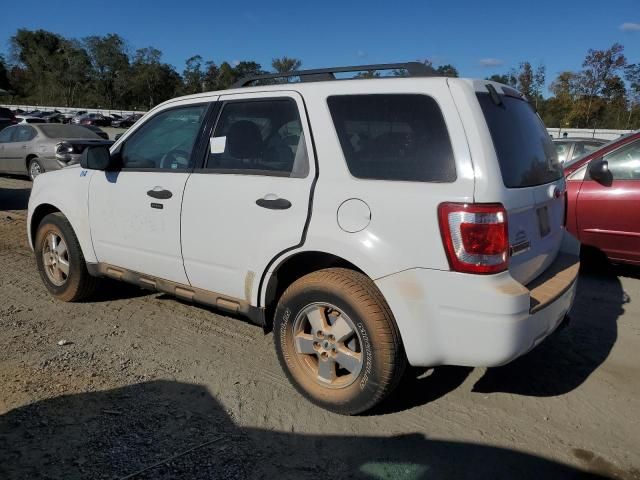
(139, 385)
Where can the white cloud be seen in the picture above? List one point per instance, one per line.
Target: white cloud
(630, 27)
(490, 62)
(235, 63)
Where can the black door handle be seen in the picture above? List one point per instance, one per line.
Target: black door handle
(275, 204)
(160, 194)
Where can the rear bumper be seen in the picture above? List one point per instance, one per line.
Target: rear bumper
(474, 320)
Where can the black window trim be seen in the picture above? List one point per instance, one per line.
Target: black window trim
(220, 104)
(194, 150)
(366, 179)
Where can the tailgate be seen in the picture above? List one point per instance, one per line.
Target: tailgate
(536, 229)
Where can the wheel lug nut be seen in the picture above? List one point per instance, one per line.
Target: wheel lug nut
(320, 334)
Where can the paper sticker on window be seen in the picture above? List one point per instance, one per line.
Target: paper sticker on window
(217, 144)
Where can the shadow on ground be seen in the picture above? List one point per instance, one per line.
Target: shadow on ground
(567, 358)
(171, 430)
(14, 198)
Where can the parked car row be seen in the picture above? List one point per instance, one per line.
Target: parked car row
(80, 117)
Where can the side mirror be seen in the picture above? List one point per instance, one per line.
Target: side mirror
(599, 171)
(97, 157)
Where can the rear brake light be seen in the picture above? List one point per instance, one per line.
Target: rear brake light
(475, 236)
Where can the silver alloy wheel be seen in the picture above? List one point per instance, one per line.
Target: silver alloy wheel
(55, 256)
(328, 344)
(34, 169)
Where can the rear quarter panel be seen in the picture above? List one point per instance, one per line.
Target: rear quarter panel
(403, 232)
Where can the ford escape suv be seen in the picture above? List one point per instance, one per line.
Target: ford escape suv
(369, 223)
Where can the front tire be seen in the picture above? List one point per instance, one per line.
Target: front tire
(60, 261)
(337, 341)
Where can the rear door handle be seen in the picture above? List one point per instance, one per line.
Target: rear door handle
(160, 193)
(273, 203)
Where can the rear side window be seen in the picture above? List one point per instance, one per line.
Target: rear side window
(525, 152)
(393, 137)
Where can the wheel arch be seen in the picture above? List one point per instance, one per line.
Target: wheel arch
(39, 213)
(30, 157)
(290, 269)
(78, 224)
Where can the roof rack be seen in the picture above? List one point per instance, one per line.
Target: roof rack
(414, 69)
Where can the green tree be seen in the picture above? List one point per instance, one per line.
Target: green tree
(286, 64)
(248, 69)
(632, 75)
(448, 71)
(4, 74)
(152, 81)
(110, 64)
(193, 75)
(211, 76)
(599, 66)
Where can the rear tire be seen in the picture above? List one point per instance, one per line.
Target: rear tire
(35, 168)
(60, 261)
(337, 341)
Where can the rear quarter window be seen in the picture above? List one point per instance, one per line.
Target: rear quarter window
(393, 137)
(526, 154)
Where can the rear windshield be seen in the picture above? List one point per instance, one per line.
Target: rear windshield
(525, 151)
(393, 137)
(67, 131)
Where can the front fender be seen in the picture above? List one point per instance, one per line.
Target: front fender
(67, 191)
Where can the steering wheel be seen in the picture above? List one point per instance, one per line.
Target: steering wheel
(178, 157)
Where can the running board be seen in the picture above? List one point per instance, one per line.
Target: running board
(181, 291)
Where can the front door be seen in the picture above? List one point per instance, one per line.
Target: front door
(135, 212)
(251, 200)
(608, 215)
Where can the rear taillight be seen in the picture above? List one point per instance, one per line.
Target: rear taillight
(475, 236)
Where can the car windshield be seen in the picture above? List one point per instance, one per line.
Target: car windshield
(67, 131)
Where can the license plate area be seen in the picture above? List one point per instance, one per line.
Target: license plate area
(543, 221)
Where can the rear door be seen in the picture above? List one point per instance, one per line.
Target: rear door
(534, 183)
(250, 201)
(607, 214)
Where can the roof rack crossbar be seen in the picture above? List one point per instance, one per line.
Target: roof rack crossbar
(414, 69)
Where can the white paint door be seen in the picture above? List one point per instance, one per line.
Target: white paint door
(251, 200)
(135, 212)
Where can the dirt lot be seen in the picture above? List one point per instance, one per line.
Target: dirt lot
(145, 387)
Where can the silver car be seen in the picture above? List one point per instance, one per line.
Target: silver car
(36, 148)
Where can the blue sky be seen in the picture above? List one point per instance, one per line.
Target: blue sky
(325, 33)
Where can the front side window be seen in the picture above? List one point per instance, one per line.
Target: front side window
(393, 137)
(260, 137)
(624, 164)
(166, 140)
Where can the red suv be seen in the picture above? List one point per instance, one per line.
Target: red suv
(603, 194)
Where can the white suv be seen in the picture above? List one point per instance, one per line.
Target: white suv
(368, 222)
